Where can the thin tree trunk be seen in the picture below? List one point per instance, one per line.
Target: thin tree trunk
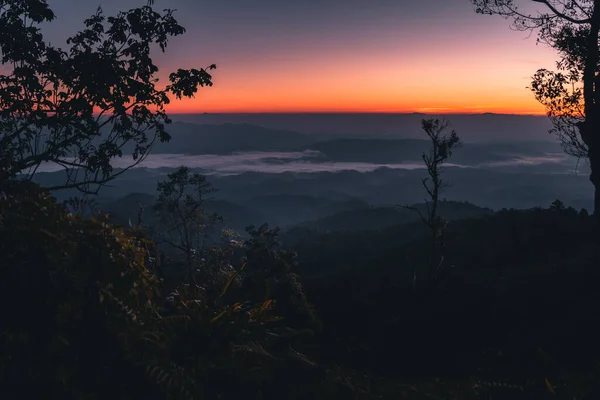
(594, 157)
(434, 252)
(589, 134)
(191, 275)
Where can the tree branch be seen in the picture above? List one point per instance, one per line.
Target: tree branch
(563, 15)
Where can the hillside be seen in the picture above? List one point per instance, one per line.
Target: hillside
(375, 218)
(350, 240)
(402, 150)
(228, 138)
(472, 127)
(289, 209)
(506, 306)
(384, 186)
(127, 208)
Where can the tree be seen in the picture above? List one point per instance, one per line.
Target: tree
(183, 223)
(442, 145)
(571, 95)
(269, 273)
(80, 108)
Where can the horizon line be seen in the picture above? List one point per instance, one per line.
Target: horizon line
(353, 112)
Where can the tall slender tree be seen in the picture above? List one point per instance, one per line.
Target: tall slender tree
(443, 142)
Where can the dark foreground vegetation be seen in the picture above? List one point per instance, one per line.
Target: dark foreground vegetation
(95, 310)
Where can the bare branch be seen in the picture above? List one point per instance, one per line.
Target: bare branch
(562, 14)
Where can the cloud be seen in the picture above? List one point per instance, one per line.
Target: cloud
(301, 162)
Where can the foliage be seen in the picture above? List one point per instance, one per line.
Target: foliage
(91, 310)
(572, 28)
(85, 295)
(442, 145)
(270, 268)
(552, 17)
(562, 95)
(80, 108)
(182, 222)
(73, 291)
(517, 281)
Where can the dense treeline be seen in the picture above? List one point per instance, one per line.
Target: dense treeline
(87, 302)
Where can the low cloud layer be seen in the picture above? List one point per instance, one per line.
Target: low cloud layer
(306, 162)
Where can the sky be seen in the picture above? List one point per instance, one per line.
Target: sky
(432, 56)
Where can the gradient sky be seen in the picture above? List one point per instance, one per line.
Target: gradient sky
(341, 55)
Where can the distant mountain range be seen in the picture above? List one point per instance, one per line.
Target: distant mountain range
(228, 138)
(470, 127)
(287, 209)
(290, 211)
(375, 218)
(515, 182)
(199, 139)
(518, 187)
(403, 150)
(127, 208)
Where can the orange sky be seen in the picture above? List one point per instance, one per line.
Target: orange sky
(433, 56)
(472, 81)
(468, 78)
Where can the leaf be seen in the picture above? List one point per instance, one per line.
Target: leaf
(151, 337)
(218, 316)
(253, 347)
(266, 305)
(550, 387)
(231, 279)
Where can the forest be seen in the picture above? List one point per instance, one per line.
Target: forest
(178, 294)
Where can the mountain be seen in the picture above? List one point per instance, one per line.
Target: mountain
(375, 218)
(349, 240)
(371, 150)
(522, 187)
(470, 127)
(235, 216)
(289, 209)
(371, 218)
(127, 208)
(384, 151)
(192, 139)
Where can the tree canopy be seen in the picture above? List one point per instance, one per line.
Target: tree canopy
(82, 106)
(571, 94)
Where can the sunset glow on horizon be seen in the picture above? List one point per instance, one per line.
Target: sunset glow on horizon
(350, 56)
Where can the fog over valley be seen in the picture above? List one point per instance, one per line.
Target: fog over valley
(308, 175)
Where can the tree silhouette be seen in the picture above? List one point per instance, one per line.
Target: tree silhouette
(442, 145)
(571, 95)
(80, 108)
(182, 221)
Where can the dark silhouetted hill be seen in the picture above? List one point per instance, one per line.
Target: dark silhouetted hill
(227, 138)
(386, 151)
(375, 218)
(289, 209)
(471, 127)
(127, 209)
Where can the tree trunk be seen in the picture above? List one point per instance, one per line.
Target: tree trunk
(594, 157)
(591, 108)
